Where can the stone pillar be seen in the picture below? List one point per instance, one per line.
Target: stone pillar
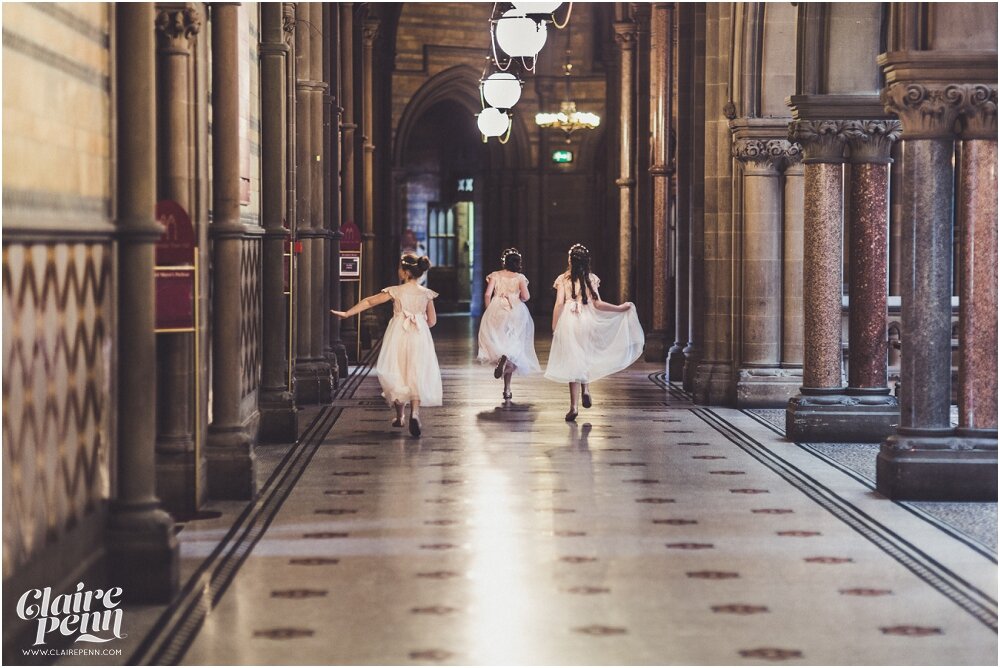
(178, 470)
(869, 146)
(762, 382)
(625, 38)
(661, 170)
(319, 233)
(818, 411)
(229, 453)
(926, 458)
(143, 550)
(369, 319)
(791, 278)
(278, 414)
(977, 199)
(348, 141)
(337, 351)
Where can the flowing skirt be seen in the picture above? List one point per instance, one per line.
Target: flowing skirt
(509, 332)
(407, 365)
(589, 344)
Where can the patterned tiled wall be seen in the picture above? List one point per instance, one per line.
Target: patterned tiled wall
(56, 394)
(250, 324)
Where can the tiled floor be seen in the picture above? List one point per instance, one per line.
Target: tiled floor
(649, 532)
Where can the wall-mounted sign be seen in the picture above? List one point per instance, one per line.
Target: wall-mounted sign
(177, 244)
(351, 241)
(175, 302)
(350, 266)
(562, 157)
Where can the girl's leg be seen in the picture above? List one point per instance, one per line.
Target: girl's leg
(506, 384)
(574, 395)
(398, 408)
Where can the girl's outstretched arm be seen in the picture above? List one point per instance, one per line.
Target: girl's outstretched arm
(602, 305)
(364, 305)
(557, 309)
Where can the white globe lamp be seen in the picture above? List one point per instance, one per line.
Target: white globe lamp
(493, 122)
(518, 36)
(501, 90)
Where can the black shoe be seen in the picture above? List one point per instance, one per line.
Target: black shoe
(414, 426)
(397, 422)
(571, 416)
(507, 396)
(586, 400)
(497, 372)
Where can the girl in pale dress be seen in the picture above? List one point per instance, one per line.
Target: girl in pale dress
(407, 365)
(591, 338)
(506, 332)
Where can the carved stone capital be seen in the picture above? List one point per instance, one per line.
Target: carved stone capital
(767, 154)
(821, 141)
(625, 34)
(928, 111)
(369, 30)
(979, 111)
(871, 141)
(176, 28)
(288, 21)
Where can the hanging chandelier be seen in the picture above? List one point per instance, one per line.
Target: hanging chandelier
(568, 118)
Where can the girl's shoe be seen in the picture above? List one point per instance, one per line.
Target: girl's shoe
(497, 372)
(507, 396)
(397, 422)
(586, 400)
(414, 426)
(571, 416)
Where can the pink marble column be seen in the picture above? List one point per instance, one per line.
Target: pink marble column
(869, 143)
(977, 201)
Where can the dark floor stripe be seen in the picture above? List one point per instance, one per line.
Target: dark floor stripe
(971, 599)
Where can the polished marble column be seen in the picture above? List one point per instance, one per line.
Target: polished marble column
(926, 458)
(229, 454)
(142, 546)
(625, 38)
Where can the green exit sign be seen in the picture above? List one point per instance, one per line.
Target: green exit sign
(562, 157)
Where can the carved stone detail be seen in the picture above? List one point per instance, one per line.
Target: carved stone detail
(767, 153)
(928, 111)
(288, 21)
(979, 111)
(729, 110)
(821, 141)
(177, 28)
(871, 141)
(369, 30)
(625, 34)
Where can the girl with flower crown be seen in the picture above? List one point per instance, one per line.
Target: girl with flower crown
(407, 365)
(591, 338)
(506, 332)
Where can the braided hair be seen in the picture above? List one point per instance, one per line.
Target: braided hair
(511, 260)
(579, 271)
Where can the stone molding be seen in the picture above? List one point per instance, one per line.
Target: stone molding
(821, 141)
(769, 154)
(828, 107)
(177, 28)
(871, 141)
(625, 34)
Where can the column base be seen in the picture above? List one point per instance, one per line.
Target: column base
(714, 384)
(838, 418)
(178, 486)
(340, 352)
(231, 464)
(691, 358)
(657, 345)
(770, 387)
(279, 418)
(675, 364)
(143, 556)
(313, 382)
(371, 329)
(949, 467)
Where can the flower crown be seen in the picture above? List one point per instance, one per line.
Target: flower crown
(409, 259)
(506, 253)
(578, 247)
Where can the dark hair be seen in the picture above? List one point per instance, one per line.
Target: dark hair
(579, 271)
(511, 259)
(413, 265)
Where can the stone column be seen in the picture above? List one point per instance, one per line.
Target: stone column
(977, 199)
(817, 411)
(926, 459)
(348, 210)
(661, 171)
(177, 29)
(869, 146)
(333, 167)
(791, 278)
(762, 382)
(369, 319)
(143, 550)
(319, 232)
(278, 414)
(625, 38)
(229, 453)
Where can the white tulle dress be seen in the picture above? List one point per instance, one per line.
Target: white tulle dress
(506, 327)
(589, 344)
(407, 365)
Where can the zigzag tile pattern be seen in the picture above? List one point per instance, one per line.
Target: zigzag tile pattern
(250, 309)
(56, 391)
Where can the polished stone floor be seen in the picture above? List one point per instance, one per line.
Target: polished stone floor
(651, 531)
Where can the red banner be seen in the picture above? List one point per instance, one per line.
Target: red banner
(351, 241)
